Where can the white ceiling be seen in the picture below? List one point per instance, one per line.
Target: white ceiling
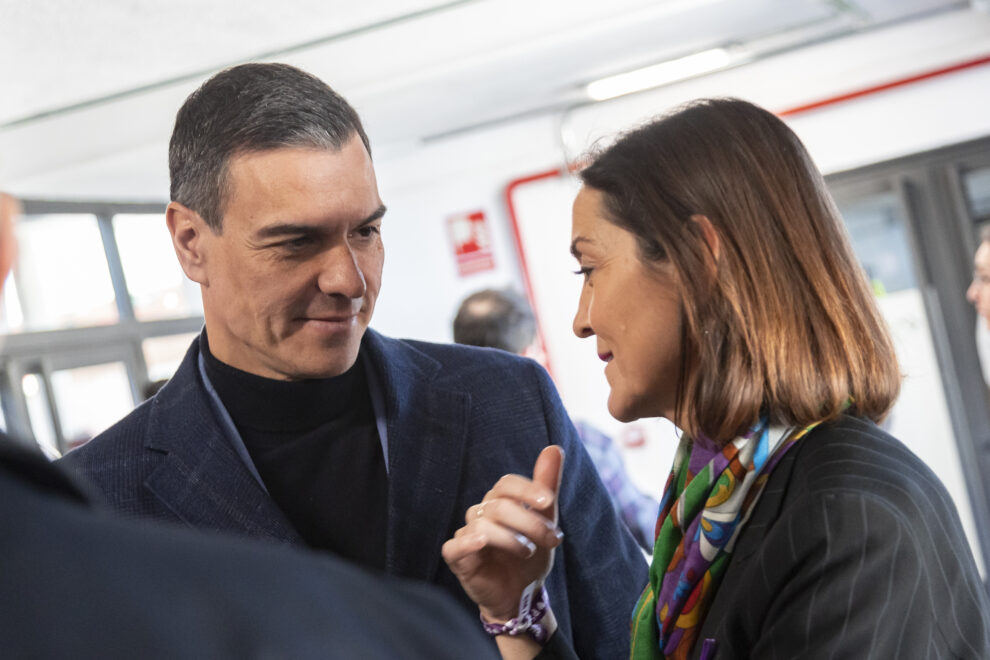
(83, 81)
(62, 52)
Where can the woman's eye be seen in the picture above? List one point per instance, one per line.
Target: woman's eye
(585, 271)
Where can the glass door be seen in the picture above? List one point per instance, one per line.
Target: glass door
(878, 223)
(914, 224)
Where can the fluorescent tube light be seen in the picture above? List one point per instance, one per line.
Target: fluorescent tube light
(659, 74)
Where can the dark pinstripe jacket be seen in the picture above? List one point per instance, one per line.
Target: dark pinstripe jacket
(855, 550)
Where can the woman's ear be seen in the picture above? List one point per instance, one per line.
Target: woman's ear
(711, 238)
(709, 234)
(191, 239)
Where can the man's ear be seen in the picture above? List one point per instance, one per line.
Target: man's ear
(190, 238)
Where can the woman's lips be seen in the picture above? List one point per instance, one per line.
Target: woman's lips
(605, 357)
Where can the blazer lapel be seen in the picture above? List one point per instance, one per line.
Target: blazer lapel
(427, 428)
(201, 479)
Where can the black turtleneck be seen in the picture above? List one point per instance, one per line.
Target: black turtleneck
(316, 447)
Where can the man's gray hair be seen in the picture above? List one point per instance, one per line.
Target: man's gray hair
(244, 109)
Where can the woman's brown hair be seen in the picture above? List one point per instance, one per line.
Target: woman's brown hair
(779, 320)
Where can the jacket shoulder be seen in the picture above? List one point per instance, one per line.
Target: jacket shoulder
(125, 438)
(117, 462)
(853, 455)
(473, 367)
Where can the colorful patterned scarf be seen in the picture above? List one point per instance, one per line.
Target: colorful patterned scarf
(708, 498)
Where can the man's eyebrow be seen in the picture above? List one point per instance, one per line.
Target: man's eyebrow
(299, 229)
(376, 215)
(285, 229)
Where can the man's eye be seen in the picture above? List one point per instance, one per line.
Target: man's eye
(296, 243)
(368, 231)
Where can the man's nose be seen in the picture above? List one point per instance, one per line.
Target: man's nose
(341, 275)
(972, 291)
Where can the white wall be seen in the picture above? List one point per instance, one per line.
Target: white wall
(422, 188)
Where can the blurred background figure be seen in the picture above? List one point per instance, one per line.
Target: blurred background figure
(503, 319)
(978, 292)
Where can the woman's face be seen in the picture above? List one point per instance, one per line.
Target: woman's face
(633, 310)
(978, 292)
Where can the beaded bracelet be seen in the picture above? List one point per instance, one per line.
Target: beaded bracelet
(531, 612)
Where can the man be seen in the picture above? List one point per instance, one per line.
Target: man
(504, 320)
(78, 583)
(288, 419)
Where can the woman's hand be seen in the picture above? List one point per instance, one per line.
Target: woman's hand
(508, 539)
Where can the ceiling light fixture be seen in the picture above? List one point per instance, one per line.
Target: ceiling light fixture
(663, 73)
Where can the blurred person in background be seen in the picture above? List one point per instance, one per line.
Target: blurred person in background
(503, 319)
(289, 419)
(722, 293)
(978, 292)
(77, 582)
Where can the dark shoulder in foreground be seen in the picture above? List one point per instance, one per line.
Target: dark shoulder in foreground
(175, 593)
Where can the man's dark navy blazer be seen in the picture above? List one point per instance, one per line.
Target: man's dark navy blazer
(458, 418)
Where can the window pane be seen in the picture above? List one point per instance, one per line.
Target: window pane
(39, 414)
(920, 417)
(977, 185)
(90, 399)
(11, 316)
(163, 354)
(62, 278)
(158, 287)
(880, 242)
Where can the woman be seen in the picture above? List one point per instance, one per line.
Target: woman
(723, 294)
